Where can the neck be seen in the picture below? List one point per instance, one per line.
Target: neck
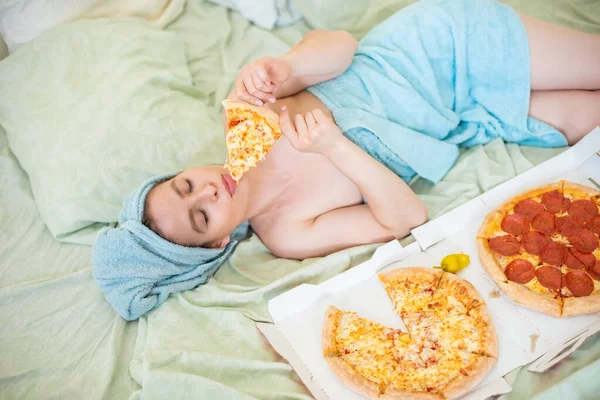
(264, 190)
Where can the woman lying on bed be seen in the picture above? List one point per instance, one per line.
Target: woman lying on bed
(361, 119)
(306, 198)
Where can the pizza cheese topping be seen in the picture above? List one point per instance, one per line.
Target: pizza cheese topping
(450, 336)
(252, 131)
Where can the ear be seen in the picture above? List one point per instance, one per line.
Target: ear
(221, 243)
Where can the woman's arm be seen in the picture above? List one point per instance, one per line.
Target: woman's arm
(392, 208)
(319, 56)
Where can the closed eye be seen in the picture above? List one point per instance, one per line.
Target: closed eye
(205, 216)
(190, 187)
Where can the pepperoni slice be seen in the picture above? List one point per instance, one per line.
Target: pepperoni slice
(586, 258)
(566, 205)
(584, 240)
(566, 225)
(529, 208)
(583, 210)
(594, 270)
(573, 262)
(520, 271)
(579, 283)
(554, 201)
(506, 245)
(534, 241)
(593, 225)
(554, 254)
(549, 277)
(515, 224)
(545, 223)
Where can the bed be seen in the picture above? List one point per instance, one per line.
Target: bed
(59, 338)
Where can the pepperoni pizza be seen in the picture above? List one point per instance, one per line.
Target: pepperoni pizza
(542, 249)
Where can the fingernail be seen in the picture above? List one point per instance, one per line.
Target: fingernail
(258, 103)
(272, 100)
(283, 108)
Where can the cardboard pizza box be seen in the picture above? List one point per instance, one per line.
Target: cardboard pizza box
(524, 335)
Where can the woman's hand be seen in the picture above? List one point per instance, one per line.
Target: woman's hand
(259, 79)
(312, 132)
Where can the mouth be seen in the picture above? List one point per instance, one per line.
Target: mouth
(229, 184)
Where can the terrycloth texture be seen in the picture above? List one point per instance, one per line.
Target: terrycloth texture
(137, 269)
(437, 75)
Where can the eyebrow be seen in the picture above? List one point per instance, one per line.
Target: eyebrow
(190, 212)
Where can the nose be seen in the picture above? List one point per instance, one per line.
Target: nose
(208, 192)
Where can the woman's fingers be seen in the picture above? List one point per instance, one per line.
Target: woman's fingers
(264, 88)
(258, 84)
(286, 126)
(320, 116)
(262, 74)
(262, 82)
(301, 127)
(311, 123)
(242, 93)
(259, 96)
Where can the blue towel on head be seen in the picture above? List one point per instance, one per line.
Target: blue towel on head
(137, 269)
(437, 75)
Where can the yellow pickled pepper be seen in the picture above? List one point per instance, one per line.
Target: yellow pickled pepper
(454, 262)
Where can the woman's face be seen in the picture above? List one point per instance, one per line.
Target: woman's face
(198, 207)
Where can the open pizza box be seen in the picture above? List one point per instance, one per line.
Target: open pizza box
(524, 335)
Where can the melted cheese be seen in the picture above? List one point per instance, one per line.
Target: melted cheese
(247, 143)
(446, 334)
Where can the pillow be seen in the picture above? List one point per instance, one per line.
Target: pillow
(94, 107)
(24, 20)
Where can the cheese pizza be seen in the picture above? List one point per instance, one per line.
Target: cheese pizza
(251, 132)
(449, 347)
(542, 249)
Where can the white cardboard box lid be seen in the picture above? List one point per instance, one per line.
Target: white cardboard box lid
(299, 300)
(550, 170)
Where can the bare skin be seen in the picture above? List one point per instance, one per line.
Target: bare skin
(305, 199)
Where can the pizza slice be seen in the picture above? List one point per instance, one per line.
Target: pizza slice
(251, 132)
(410, 288)
(365, 354)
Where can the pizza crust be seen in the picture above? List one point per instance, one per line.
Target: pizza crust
(491, 350)
(462, 384)
(462, 289)
(329, 332)
(579, 190)
(353, 379)
(521, 295)
(573, 306)
(489, 262)
(413, 273)
(517, 292)
(490, 224)
(400, 395)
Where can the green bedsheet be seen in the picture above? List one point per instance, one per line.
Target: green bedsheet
(59, 339)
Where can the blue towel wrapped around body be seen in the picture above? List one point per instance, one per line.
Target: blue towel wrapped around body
(437, 75)
(137, 269)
